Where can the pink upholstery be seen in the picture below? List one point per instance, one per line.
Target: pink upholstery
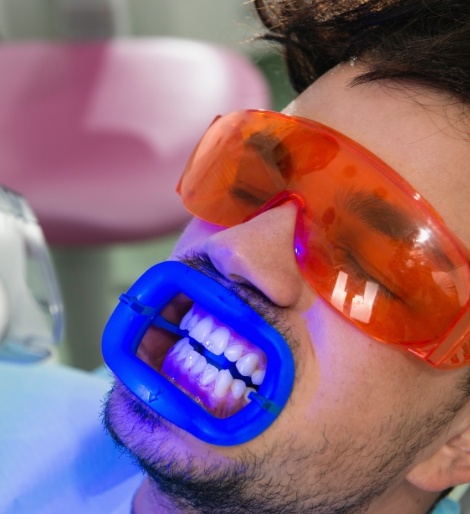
(95, 135)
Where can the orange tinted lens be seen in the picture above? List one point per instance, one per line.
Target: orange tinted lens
(366, 241)
(244, 159)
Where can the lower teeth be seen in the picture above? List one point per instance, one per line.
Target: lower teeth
(197, 360)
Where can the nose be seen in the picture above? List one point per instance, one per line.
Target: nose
(260, 253)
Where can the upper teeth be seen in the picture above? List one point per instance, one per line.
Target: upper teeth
(189, 320)
(258, 376)
(234, 352)
(202, 330)
(247, 364)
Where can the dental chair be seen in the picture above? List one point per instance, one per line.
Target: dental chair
(95, 135)
(54, 454)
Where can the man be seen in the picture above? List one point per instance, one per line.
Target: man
(369, 426)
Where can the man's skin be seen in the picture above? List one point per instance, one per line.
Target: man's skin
(369, 427)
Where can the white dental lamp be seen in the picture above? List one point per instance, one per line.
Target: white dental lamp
(31, 310)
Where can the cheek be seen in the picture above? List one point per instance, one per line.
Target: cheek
(358, 379)
(337, 346)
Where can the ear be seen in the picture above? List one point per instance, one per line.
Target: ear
(448, 467)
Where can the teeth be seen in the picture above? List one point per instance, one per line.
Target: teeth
(234, 352)
(186, 318)
(238, 388)
(176, 349)
(222, 383)
(203, 328)
(247, 364)
(184, 349)
(192, 322)
(199, 365)
(217, 341)
(258, 376)
(209, 375)
(191, 359)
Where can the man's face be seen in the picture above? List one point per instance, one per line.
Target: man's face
(361, 413)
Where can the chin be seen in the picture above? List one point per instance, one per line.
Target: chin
(145, 434)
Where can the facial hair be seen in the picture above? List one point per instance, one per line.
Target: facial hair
(277, 478)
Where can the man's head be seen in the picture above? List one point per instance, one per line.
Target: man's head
(367, 425)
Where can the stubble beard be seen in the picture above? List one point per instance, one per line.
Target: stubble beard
(339, 475)
(349, 474)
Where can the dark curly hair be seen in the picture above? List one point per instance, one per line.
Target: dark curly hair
(424, 41)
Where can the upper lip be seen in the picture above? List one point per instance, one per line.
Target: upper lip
(252, 296)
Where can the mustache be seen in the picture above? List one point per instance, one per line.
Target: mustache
(251, 295)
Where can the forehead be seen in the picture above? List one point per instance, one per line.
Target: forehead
(421, 134)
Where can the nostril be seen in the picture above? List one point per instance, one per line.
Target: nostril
(238, 279)
(260, 254)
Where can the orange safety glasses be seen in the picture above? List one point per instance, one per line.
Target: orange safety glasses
(365, 240)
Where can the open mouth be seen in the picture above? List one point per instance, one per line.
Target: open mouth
(198, 355)
(206, 359)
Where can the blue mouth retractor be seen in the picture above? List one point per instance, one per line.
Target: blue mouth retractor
(140, 308)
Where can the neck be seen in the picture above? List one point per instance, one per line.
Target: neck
(405, 499)
(148, 501)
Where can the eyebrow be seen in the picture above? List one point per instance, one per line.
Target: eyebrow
(271, 150)
(390, 220)
(373, 210)
(379, 214)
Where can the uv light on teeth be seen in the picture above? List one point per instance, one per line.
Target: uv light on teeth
(191, 371)
(194, 358)
(213, 355)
